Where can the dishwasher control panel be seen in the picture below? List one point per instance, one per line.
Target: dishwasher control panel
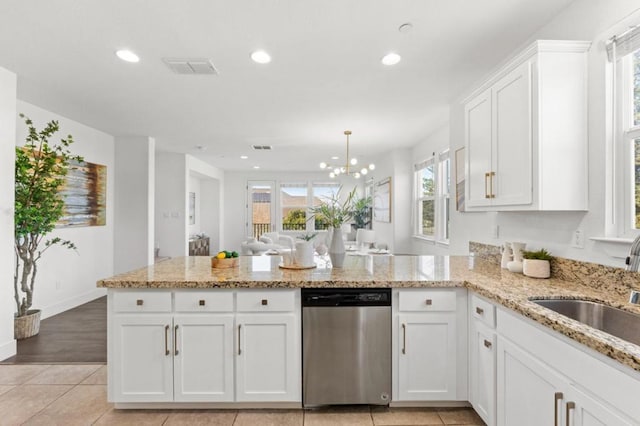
(346, 297)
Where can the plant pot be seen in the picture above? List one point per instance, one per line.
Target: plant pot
(27, 326)
(304, 253)
(536, 268)
(336, 249)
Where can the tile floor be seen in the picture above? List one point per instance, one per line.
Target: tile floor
(77, 395)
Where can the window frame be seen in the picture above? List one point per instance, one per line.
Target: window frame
(441, 198)
(309, 188)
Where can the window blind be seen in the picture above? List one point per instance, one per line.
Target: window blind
(623, 44)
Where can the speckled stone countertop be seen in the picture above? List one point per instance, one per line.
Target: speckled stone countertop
(485, 278)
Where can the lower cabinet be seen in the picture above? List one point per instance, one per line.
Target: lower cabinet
(267, 360)
(482, 347)
(531, 393)
(205, 356)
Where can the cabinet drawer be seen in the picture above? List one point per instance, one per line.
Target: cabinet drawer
(483, 311)
(204, 301)
(266, 301)
(427, 301)
(142, 301)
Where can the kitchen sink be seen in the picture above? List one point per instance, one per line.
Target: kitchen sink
(622, 324)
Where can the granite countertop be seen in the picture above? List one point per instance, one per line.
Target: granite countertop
(487, 279)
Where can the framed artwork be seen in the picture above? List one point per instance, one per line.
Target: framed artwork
(85, 195)
(460, 180)
(192, 208)
(382, 201)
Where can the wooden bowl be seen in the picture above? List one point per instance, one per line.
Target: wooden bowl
(224, 263)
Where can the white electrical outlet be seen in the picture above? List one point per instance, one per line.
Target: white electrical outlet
(578, 239)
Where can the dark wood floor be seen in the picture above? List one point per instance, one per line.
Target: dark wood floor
(77, 335)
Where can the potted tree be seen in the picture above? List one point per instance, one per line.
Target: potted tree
(536, 263)
(362, 212)
(335, 213)
(40, 170)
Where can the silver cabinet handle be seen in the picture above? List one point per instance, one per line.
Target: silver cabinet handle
(570, 406)
(479, 310)
(404, 339)
(556, 398)
(166, 340)
(175, 340)
(487, 344)
(239, 350)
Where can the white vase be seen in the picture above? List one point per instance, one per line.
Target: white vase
(536, 268)
(516, 264)
(506, 255)
(304, 253)
(336, 249)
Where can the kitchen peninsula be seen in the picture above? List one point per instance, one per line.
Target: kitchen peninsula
(182, 334)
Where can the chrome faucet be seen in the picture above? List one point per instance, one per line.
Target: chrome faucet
(634, 297)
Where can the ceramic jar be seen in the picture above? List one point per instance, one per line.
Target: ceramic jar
(516, 264)
(536, 268)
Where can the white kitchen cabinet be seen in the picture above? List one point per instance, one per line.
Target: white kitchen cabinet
(142, 358)
(268, 358)
(203, 358)
(522, 125)
(581, 409)
(428, 357)
(482, 371)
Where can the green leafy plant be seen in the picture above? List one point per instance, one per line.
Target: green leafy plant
(40, 170)
(362, 212)
(334, 212)
(541, 254)
(307, 237)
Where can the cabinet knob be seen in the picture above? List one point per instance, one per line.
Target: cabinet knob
(265, 302)
(429, 302)
(201, 302)
(479, 310)
(487, 344)
(139, 302)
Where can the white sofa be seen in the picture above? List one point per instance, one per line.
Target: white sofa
(268, 241)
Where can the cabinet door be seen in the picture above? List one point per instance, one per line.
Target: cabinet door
(512, 153)
(528, 392)
(478, 141)
(203, 358)
(427, 357)
(583, 410)
(142, 352)
(267, 358)
(483, 372)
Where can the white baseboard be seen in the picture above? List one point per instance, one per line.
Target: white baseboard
(8, 349)
(67, 304)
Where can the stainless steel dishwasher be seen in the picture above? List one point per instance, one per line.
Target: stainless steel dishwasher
(346, 352)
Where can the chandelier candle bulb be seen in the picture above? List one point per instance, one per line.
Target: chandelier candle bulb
(346, 169)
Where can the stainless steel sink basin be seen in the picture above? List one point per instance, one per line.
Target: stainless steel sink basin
(619, 323)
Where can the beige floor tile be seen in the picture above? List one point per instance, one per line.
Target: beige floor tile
(459, 416)
(201, 418)
(97, 378)
(63, 375)
(23, 402)
(338, 418)
(133, 417)
(18, 374)
(6, 388)
(82, 405)
(270, 418)
(405, 416)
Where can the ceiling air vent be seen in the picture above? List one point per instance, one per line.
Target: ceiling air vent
(190, 66)
(262, 147)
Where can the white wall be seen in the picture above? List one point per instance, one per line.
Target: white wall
(211, 180)
(134, 205)
(594, 20)
(235, 198)
(7, 256)
(67, 278)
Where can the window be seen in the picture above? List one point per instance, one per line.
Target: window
(297, 198)
(432, 183)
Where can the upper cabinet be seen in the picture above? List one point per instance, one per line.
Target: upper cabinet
(526, 132)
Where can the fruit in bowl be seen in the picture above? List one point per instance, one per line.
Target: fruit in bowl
(225, 259)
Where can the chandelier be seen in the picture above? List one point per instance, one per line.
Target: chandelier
(350, 168)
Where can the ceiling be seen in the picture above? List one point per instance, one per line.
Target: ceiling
(325, 75)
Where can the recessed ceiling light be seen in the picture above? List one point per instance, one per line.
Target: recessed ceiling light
(243, 157)
(127, 55)
(256, 167)
(391, 59)
(335, 157)
(405, 28)
(261, 57)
